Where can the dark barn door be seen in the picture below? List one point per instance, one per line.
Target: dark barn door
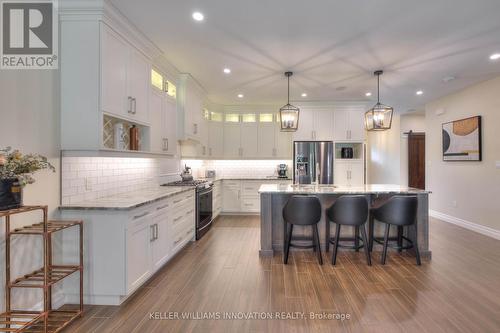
(416, 160)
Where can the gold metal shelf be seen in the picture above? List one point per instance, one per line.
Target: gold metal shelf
(38, 228)
(19, 321)
(49, 320)
(36, 279)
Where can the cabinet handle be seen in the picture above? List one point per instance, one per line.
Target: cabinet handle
(190, 212)
(166, 139)
(178, 240)
(156, 231)
(129, 104)
(140, 215)
(189, 231)
(210, 151)
(274, 152)
(204, 150)
(135, 105)
(162, 207)
(177, 201)
(152, 233)
(177, 218)
(248, 205)
(195, 128)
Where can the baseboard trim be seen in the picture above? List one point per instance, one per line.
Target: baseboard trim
(481, 229)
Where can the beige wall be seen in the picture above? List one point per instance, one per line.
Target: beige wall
(29, 121)
(383, 155)
(466, 190)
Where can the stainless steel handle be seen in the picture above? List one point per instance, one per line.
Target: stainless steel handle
(178, 240)
(204, 150)
(156, 231)
(189, 231)
(140, 215)
(152, 233)
(162, 207)
(247, 204)
(129, 104)
(210, 151)
(177, 201)
(190, 212)
(134, 103)
(166, 139)
(195, 128)
(177, 218)
(274, 151)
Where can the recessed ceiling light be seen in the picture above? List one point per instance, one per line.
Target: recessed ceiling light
(420, 92)
(368, 94)
(241, 95)
(495, 56)
(227, 70)
(197, 16)
(304, 95)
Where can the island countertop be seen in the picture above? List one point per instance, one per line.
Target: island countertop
(334, 189)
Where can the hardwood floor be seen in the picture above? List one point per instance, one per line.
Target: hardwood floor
(457, 291)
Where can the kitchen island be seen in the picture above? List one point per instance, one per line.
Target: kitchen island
(273, 198)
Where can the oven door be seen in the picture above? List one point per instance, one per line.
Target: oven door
(204, 210)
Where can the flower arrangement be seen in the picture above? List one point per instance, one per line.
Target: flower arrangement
(14, 165)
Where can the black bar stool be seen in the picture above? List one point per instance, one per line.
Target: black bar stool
(302, 210)
(399, 211)
(350, 210)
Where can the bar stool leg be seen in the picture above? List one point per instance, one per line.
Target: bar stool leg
(336, 245)
(288, 240)
(327, 235)
(415, 244)
(400, 239)
(386, 240)
(365, 246)
(371, 225)
(317, 244)
(356, 238)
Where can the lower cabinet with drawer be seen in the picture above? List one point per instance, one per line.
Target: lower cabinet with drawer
(124, 248)
(242, 196)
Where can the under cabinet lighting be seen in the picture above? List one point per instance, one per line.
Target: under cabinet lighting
(241, 95)
(197, 16)
(495, 56)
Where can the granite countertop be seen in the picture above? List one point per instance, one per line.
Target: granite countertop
(270, 178)
(334, 189)
(126, 201)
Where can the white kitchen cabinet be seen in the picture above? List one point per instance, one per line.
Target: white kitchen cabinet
(138, 81)
(315, 125)
(217, 199)
(114, 59)
(141, 240)
(323, 125)
(124, 78)
(232, 137)
(266, 140)
(139, 237)
(249, 144)
(305, 131)
(169, 122)
(160, 246)
(349, 173)
(215, 139)
(191, 98)
(231, 194)
(163, 115)
(349, 124)
(282, 144)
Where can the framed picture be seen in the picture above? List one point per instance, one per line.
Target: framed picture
(462, 140)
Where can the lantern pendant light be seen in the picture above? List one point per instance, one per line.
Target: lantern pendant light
(379, 117)
(289, 114)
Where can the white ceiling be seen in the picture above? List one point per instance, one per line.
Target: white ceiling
(332, 46)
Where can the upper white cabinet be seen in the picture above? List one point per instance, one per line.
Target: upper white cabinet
(191, 99)
(232, 138)
(124, 78)
(215, 139)
(163, 115)
(315, 125)
(248, 145)
(266, 139)
(349, 124)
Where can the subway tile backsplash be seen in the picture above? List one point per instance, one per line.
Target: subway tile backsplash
(90, 178)
(237, 168)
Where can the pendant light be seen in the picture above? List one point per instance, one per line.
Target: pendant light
(379, 117)
(289, 114)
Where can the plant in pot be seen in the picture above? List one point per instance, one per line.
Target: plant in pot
(16, 171)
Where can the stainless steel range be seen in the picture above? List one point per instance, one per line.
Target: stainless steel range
(203, 203)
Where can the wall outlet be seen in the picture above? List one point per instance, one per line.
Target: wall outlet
(88, 184)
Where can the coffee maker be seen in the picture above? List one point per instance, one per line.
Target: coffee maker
(282, 169)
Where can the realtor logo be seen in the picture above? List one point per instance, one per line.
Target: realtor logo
(29, 35)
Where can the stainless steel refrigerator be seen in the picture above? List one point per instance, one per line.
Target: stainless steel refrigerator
(313, 162)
